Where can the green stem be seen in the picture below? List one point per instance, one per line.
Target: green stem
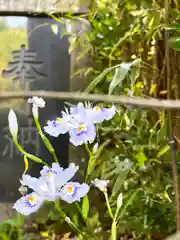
(114, 230)
(88, 170)
(88, 150)
(30, 156)
(116, 214)
(108, 205)
(45, 139)
(80, 212)
(68, 220)
(89, 162)
(88, 230)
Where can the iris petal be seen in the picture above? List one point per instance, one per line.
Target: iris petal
(28, 204)
(80, 190)
(66, 175)
(87, 134)
(56, 127)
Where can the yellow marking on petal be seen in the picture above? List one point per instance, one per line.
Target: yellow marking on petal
(58, 120)
(30, 198)
(81, 128)
(97, 108)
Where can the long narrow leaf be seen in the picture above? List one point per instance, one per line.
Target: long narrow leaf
(97, 80)
(85, 206)
(128, 203)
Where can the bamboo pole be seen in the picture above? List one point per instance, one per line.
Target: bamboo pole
(78, 96)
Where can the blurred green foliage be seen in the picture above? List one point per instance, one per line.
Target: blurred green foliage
(122, 46)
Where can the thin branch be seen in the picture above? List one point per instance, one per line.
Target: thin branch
(77, 96)
(172, 142)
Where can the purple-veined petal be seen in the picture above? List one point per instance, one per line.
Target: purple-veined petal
(36, 184)
(28, 204)
(73, 191)
(51, 180)
(56, 169)
(79, 109)
(83, 133)
(109, 112)
(56, 127)
(29, 181)
(66, 175)
(99, 114)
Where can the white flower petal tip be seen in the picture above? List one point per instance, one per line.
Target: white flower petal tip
(95, 148)
(101, 184)
(13, 124)
(37, 101)
(73, 165)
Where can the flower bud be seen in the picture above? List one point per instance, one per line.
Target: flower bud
(37, 101)
(119, 200)
(13, 125)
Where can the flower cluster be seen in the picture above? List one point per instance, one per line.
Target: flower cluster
(80, 122)
(54, 182)
(51, 185)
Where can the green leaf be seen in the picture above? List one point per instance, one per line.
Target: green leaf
(119, 181)
(54, 28)
(141, 158)
(134, 74)
(85, 207)
(173, 26)
(3, 236)
(131, 198)
(101, 148)
(47, 143)
(136, 62)
(97, 80)
(119, 76)
(163, 150)
(121, 73)
(10, 222)
(35, 159)
(174, 42)
(161, 134)
(82, 54)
